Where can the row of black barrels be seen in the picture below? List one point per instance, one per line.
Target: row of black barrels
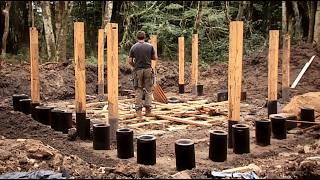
(146, 144)
(58, 120)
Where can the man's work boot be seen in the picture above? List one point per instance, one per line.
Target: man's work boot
(148, 112)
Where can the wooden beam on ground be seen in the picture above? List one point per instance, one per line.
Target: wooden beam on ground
(34, 61)
(101, 62)
(273, 64)
(181, 59)
(195, 59)
(137, 125)
(153, 40)
(181, 120)
(113, 77)
(286, 66)
(80, 67)
(235, 69)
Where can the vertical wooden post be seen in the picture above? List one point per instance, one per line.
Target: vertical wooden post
(80, 67)
(112, 70)
(234, 75)
(181, 60)
(195, 59)
(153, 39)
(34, 61)
(273, 64)
(101, 62)
(235, 69)
(286, 66)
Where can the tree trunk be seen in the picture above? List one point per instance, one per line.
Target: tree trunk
(198, 18)
(250, 10)
(317, 27)
(107, 13)
(298, 18)
(63, 11)
(226, 9)
(311, 14)
(47, 22)
(284, 18)
(5, 13)
(242, 5)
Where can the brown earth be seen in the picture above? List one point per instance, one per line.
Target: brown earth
(283, 159)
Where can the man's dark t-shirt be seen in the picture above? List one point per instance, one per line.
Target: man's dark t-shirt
(142, 52)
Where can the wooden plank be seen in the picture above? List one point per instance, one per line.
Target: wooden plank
(101, 62)
(304, 69)
(273, 64)
(113, 78)
(34, 61)
(180, 120)
(153, 40)
(286, 66)
(112, 70)
(181, 59)
(235, 69)
(80, 68)
(147, 123)
(195, 58)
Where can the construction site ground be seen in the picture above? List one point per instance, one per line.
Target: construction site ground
(27, 145)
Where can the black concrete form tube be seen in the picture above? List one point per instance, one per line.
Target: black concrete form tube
(223, 96)
(278, 126)
(34, 111)
(15, 100)
(230, 136)
(25, 106)
(263, 132)
(307, 114)
(185, 155)
(83, 126)
(56, 119)
(66, 122)
(218, 146)
(200, 90)
(146, 150)
(243, 96)
(272, 107)
(101, 137)
(125, 148)
(241, 138)
(181, 88)
(44, 114)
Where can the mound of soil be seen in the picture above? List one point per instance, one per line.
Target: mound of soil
(57, 80)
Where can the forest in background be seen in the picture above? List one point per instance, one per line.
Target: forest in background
(168, 19)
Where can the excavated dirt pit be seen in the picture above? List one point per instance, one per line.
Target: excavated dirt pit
(282, 159)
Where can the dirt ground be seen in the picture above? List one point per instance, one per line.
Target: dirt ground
(283, 159)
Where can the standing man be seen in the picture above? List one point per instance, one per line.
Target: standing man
(140, 57)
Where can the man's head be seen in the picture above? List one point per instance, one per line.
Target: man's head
(141, 35)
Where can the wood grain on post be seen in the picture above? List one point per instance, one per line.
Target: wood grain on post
(195, 59)
(34, 61)
(153, 40)
(235, 69)
(181, 59)
(80, 67)
(273, 64)
(101, 62)
(112, 70)
(286, 66)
